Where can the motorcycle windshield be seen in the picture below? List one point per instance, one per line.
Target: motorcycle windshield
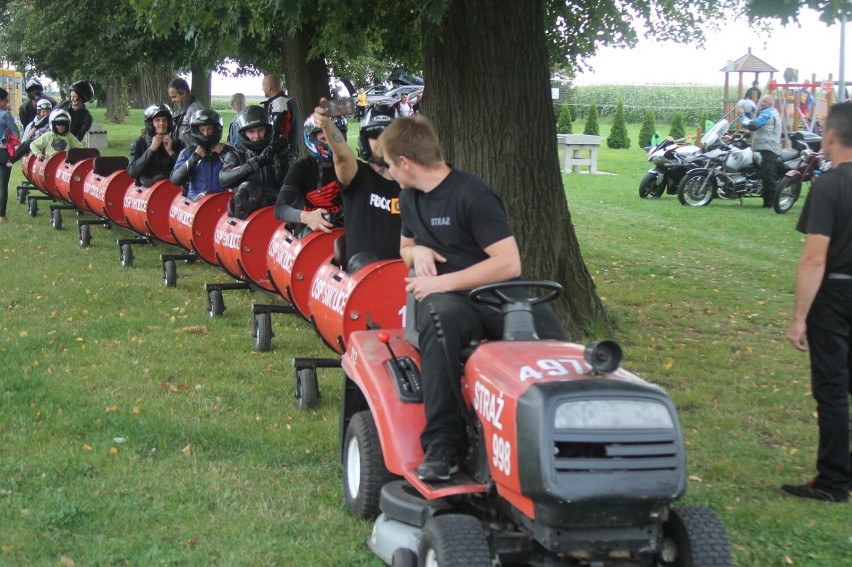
(713, 135)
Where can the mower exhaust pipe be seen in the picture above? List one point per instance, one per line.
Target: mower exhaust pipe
(604, 356)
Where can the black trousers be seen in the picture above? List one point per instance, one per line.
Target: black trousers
(769, 175)
(829, 330)
(5, 173)
(462, 321)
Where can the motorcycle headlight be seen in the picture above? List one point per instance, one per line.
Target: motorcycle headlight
(612, 414)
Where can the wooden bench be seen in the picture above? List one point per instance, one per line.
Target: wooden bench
(575, 146)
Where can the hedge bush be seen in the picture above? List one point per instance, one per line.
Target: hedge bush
(618, 138)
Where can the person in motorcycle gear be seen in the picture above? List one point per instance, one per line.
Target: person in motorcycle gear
(456, 237)
(79, 94)
(154, 154)
(27, 112)
(370, 195)
(59, 139)
(252, 170)
(284, 113)
(198, 166)
(766, 140)
(309, 198)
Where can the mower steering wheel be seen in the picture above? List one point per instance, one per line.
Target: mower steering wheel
(492, 294)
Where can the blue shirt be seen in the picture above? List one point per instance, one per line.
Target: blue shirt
(201, 176)
(7, 123)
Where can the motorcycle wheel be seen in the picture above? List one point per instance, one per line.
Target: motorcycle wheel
(649, 188)
(786, 194)
(695, 190)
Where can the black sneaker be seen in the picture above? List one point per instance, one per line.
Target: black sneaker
(811, 492)
(438, 464)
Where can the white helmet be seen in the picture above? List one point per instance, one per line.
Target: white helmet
(59, 116)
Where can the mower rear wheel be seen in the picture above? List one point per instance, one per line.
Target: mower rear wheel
(454, 540)
(263, 332)
(85, 235)
(307, 388)
(169, 273)
(215, 303)
(56, 219)
(32, 207)
(364, 470)
(22, 194)
(125, 255)
(694, 536)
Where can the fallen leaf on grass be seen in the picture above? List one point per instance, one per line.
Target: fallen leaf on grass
(194, 329)
(87, 447)
(112, 409)
(66, 561)
(694, 478)
(23, 334)
(187, 450)
(788, 560)
(165, 386)
(113, 451)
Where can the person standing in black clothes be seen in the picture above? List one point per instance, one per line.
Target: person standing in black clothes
(456, 237)
(823, 310)
(370, 195)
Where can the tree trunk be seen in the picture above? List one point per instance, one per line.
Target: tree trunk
(306, 77)
(201, 80)
(118, 106)
(151, 87)
(490, 104)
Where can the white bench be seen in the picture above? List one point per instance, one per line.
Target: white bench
(574, 146)
(96, 137)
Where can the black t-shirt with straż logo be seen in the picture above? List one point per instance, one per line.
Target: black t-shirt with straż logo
(458, 219)
(827, 210)
(373, 222)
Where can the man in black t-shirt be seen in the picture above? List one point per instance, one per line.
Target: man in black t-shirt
(370, 195)
(455, 235)
(823, 310)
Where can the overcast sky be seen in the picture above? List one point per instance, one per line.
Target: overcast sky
(811, 47)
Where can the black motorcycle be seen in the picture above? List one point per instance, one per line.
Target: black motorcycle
(670, 165)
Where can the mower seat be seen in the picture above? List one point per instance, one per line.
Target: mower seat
(339, 254)
(75, 155)
(106, 166)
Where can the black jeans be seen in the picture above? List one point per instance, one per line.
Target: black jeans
(5, 173)
(462, 321)
(769, 175)
(829, 333)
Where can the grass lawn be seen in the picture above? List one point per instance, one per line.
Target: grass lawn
(134, 430)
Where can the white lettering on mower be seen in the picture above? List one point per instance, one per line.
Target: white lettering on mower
(282, 256)
(94, 191)
(488, 405)
(64, 175)
(501, 454)
(331, 296)
(135, 203)
(551, 367)
(227, 239)
(181, 215)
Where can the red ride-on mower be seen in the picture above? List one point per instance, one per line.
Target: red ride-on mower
(570, 460)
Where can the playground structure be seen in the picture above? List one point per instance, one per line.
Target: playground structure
(13, 82)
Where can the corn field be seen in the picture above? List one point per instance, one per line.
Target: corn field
(692, 100)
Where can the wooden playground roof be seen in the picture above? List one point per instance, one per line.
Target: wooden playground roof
(749, 63)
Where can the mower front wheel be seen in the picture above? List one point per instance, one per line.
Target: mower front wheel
(263, 332)
(32, 207)
(307, 388)
(125, 255)
(364, 470)
(85, 234)
(169, 273)
(56, 219)
(215, 303)
(694, 536)
(454, 540)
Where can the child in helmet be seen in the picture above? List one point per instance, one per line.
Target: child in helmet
(35, 92)
(310, 195)
(79, 94)
(58, 139)
(34, 129)
(253, 171)
(198, 166)
(154, 154)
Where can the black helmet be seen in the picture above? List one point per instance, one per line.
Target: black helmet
(34, 88)
(254, 117)
(59, 116)
(154, 111)
(206, 118)
(377, 118)
(84, 90)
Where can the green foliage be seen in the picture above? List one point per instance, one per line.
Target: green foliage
(592, 128)
(648, 129)
(692, 100)
(618, 138)
(677, 129)
(705, 117)
(563, 124)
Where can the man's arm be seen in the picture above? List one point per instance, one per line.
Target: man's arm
(809, 277)
(503, 263)
(345, 164)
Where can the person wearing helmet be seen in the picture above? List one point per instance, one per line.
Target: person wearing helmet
(7, 127)
(27, 112)
(153, 155)
(79, 94)
(253, 169)
(310, 195)
(370, 195)
(34, 129)
(188, 106)
(198, 166)
(59, 138)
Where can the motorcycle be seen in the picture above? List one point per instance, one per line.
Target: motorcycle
(733, 171)
(669, 159)
(810, 163)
